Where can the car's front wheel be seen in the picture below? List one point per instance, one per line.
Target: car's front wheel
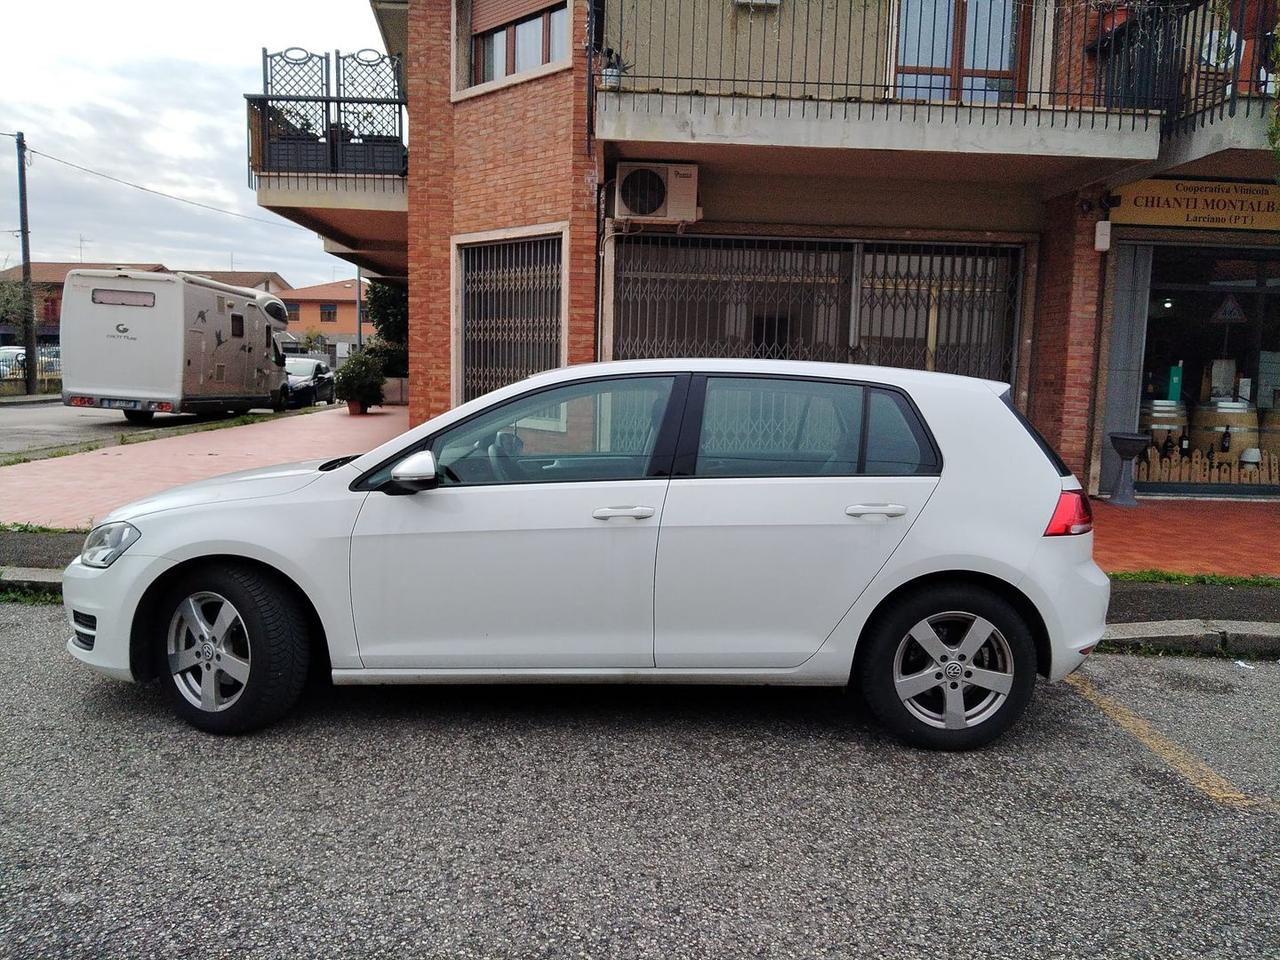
(234, 653)
(949, 668)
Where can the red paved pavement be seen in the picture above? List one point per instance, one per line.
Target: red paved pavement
(1239, 538)
(74, 491)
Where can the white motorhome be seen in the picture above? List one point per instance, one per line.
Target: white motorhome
(148, 343)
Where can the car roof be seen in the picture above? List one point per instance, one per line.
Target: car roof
(894, 376)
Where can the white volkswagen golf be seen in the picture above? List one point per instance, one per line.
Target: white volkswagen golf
(673, 521)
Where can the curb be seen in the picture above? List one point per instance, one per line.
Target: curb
(31, 580)
(1222, 638)
(1235, 638)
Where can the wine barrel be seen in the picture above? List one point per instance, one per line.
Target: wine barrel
(1158, 417)
(1269, 430)
(1210, 422)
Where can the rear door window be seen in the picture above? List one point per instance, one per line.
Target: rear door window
(774, 427)
(789, 427)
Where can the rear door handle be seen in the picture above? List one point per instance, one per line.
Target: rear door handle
(636, 513)
(876, 510)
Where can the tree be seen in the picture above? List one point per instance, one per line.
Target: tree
(387, 307)
(11, 302)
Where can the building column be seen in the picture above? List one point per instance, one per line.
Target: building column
(1068, 323)
(430, 190)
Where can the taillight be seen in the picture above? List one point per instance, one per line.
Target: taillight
(1072, 515)
(83, 402)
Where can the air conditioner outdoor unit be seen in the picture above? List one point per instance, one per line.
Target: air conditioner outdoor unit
(657, 192)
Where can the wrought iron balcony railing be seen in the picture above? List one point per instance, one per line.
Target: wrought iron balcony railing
(1228, 52)
(307, 126)
(1055, 62)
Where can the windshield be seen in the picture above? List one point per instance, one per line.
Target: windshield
(299, 368)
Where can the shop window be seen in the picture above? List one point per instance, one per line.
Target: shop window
(1210, 365)
(529, 39)
(511, 312)
(328, 313)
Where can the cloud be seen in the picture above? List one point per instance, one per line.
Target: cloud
(156, 100)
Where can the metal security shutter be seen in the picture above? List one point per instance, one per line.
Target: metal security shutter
(732, 297)
(511, 312)
(945, 307)
(951, 308)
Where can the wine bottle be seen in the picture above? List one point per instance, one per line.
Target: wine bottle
(1184, 444)
(1166, 448)
(1226, 438)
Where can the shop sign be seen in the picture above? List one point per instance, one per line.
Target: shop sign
(1207, 204)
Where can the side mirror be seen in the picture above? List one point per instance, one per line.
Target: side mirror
(416, 472)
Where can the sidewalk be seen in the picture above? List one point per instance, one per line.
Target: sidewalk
(1232, 537)
(72, 492)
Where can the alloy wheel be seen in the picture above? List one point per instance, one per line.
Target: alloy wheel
(953, 670)
(209, 652)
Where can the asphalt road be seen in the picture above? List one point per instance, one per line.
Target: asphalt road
(632, 822)
(40, 426)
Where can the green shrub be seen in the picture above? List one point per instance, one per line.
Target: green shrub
(360, 379)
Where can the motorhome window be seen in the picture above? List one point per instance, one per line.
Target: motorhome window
(124, 298)
(237, 325)
(276, 311)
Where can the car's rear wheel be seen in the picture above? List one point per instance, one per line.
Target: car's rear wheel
(950, 668)
(234, 654)
(139, 417)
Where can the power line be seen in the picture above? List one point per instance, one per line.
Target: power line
(161, 193)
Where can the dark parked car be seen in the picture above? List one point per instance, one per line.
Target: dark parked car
(310, 381)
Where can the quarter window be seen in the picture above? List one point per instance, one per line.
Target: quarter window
(601, 430)
(897, 445)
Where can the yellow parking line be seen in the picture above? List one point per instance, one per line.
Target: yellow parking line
(1208, 781)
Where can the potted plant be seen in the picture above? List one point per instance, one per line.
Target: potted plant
(359, 382)
(612, 68)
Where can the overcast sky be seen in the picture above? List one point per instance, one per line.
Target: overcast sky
(139, 91)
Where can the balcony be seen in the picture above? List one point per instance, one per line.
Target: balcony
(326, 149)
(1081, 85)
(1225, 89)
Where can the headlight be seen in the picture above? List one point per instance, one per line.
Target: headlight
(105, 543)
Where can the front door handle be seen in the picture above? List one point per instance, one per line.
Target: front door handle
(876, 510)
(636, 513)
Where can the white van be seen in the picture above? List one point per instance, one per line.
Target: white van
(148, 343)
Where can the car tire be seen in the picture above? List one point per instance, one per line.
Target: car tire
(281, 400)
(139, 417)
(925, 693)
(232, 650)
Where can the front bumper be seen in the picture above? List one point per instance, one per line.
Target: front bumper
(111, 597)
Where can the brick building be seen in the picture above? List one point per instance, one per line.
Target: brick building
(1072, 197)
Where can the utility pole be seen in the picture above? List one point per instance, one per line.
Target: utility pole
(359, 310)
(28, 309)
